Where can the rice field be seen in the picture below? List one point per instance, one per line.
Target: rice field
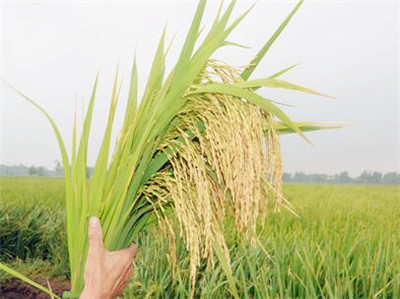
(345, 244)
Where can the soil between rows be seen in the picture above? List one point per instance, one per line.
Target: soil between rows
(16, 289)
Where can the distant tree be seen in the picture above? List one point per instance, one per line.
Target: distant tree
(316, 178)
(335, 178)
(287, 177)
(32, 171)
(391, 178)
(364, 178)
(344, 177)
(376, 177)
(40, 171)
(324, 178)
(300, 177)
(58, 167)
(37, 171)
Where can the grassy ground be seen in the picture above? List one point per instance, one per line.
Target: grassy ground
(344, 245)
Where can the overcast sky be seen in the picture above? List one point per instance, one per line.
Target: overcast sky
(348, 49)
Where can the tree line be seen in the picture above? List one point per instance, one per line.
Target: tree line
(343, 177)
(366, 177)
(35, 171)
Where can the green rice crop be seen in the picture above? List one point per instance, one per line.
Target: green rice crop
(344, 245)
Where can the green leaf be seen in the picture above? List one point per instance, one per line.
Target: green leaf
(100, 169)
(228, 43)
(131, 105)
(307, 127)
(275, 83)
(71, 224)
(253, 98)
(226, 267)
(280, 73)
(254, 63)
(27, 280)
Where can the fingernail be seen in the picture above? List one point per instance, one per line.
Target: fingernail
(94, 222)
(134, 247)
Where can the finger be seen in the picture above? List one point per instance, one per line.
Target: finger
(124, 280)
(119, 291)
(125, 277)
(133, 249)
(126, 255)
(95, 233)
(128, 275)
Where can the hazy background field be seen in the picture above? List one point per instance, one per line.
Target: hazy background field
(345, 244)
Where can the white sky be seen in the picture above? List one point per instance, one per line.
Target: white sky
(348, 49)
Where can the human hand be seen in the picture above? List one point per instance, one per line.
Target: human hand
(106, 272)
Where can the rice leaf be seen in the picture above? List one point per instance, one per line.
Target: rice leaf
(254, 98)
(307, 127)
(260, 55)
(275, 83)
(280, 73)
(27, 280)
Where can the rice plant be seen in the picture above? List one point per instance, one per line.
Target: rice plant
(200, 142)
(344, 245)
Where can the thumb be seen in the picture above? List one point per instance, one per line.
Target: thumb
(133, 249)
(95, 234)
(127, 255)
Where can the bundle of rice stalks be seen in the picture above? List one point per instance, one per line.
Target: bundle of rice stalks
(201, 141)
